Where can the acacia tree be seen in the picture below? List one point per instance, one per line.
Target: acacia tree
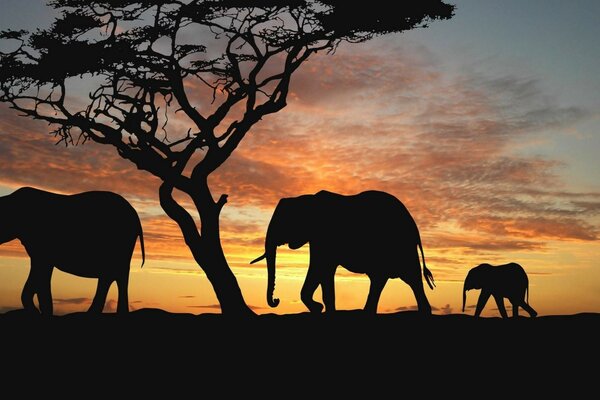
(148, 60)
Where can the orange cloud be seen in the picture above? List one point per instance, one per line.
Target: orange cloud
(367, 118)
(30, 157)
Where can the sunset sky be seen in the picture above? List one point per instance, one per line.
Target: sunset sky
(486, 126)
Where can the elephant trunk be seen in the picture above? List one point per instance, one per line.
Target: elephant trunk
(271, 241)
(270, 255)
(271, 252)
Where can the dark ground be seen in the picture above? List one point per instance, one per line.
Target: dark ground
(557, 355)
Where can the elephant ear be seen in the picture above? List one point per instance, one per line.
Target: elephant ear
(302, 212)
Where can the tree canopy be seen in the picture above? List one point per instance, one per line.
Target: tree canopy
(144, 52)
(175, 86)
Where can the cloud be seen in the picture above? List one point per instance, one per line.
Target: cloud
(532, 227)
(411, 308)
(5, 309)
(218, 307)
(74, 300)
(477, 242)
(257, 308)
(111, 306)
(208, 307)
(381, 116)
(30, 157)
(62, 305)
(446, 309)
(448, 157)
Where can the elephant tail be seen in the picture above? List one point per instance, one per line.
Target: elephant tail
(141, 236)
(426, 272)
(526, 288)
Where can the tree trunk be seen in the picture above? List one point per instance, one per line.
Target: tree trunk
(211, 259)
(206, 247)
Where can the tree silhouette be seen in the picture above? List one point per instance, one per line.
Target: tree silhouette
(148, 60)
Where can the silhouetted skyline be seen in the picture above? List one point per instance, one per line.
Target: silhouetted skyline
(528, 192)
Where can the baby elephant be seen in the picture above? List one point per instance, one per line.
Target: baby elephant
(500, 281)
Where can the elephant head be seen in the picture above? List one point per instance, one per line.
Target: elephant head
(289, 224)
(475, 279)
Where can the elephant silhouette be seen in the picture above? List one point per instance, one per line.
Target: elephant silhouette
(371, 233)
(89, 234)
(507, 280)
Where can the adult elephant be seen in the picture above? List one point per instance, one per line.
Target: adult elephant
(90, 234)
(507, 280)
(371, 233)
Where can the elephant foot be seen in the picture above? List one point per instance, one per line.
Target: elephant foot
(122, 307)
(315, 308)
(95, 309)
(32, 311)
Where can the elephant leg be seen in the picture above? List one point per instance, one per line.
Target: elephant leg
(422, 302)
(328, 288)
(100, 297)
(123, 303)
(43, 277)
(377, 284)
(515, 308)
(483, 298)
(500, 303)
(529, 309)
(28, 294)
(308, 289)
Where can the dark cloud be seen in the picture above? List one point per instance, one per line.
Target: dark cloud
(446, 309)
(62, 305)
(257, 308)
(208, 307)
(67, 305)
(111, 306)
(75, 300)
(587, 207)
(5, 309)
(218, 307)
(188, 297)
(411, 308)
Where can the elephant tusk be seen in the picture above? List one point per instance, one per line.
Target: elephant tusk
(258, 258)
